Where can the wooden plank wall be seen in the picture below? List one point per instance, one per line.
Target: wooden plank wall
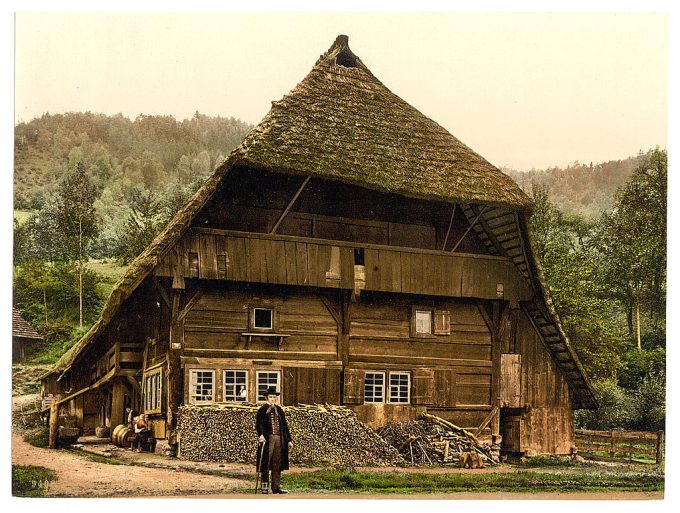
(217, 320)
(282, 260)
(380, 339)
(548, 426)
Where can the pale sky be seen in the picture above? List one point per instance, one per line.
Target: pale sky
(523, 90)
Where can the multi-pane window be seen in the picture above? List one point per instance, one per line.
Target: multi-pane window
(153, 385)
(423, 322)
(263, 318)
(266, 379)
(400, 387)
(202, 386)
(235, 385)
(374, 387)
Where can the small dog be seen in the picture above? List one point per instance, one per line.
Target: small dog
(470, 459)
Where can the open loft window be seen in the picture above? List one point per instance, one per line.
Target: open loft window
(235, 386)
(422, 322)
(262, 318)
(428, 322)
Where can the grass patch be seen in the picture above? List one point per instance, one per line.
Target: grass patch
(520, 481)
(549, 462)
(31, 481)
(22, 215)
(38, 437)
(110, 271)
(96, 458)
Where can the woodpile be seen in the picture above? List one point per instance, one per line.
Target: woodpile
(431, 440)
(322, 435)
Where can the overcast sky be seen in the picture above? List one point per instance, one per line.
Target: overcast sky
(523, 90)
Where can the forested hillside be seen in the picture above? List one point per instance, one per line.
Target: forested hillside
(586, 189)
(91, 192)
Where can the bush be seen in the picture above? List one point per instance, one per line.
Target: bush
(38, 437)
(639, 364)
(650, 403)
(616, 411)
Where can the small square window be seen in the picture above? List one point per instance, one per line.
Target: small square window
(263, 318)
(423, 323)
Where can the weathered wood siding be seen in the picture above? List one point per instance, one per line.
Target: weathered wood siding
(460, 363)
(216, 323)
(548, 425)
(235, 256)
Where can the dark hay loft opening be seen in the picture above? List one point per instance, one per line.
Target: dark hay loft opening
(346, 59)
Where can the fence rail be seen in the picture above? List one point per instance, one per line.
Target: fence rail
(618, 445)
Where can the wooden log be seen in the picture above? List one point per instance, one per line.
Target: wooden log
(54, 423)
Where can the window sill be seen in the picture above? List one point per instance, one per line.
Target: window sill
(280, 337)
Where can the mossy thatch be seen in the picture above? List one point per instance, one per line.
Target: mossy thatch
(341, 123)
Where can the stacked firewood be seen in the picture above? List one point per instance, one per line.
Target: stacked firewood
(432, 440)
(322, 435)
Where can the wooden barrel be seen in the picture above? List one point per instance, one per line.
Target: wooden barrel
(115, 436)
(123, 436)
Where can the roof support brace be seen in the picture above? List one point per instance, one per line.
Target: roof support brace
(472, 224)
(446, 239)
(290, 205)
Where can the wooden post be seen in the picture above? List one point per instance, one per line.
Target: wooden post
(117, 404)
(174, 369)
(54, 424)
(659, 447)
(611, 445)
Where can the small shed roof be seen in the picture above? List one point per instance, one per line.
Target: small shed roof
(21, 328)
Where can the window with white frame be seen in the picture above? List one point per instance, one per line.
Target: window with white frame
(374, 387)
(423, 322)
(153, 386)
(400, 387)
(235, 385)
(266, 379)
(201, 386)
(263, 318)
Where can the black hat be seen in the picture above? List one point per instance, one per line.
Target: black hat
(272, 391)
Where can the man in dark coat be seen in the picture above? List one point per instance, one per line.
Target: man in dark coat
(272, 428)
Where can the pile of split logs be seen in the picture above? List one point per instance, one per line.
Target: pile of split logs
(322, 434)
(433, 440)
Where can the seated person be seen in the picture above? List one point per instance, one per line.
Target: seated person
(142, 433)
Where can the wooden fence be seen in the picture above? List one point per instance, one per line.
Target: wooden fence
(618, 445)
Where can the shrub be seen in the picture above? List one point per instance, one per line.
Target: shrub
(618, 408)
(38, 437)
(650, 403)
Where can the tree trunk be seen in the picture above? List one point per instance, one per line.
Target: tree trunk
(45, 302)
(629, 319)
(637, 314)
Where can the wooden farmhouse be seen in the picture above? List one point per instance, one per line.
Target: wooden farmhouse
(24, 337)
(350, 251)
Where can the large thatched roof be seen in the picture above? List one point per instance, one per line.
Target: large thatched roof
(341, 123)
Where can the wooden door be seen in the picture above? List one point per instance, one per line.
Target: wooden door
(511, 381)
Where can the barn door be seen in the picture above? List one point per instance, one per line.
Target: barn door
(511, 381)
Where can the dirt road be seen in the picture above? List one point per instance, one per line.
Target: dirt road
(78, 477)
